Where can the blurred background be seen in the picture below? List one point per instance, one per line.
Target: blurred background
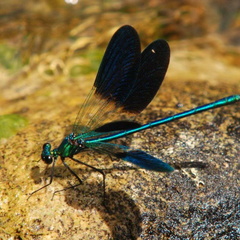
(50, 51)
(49, 40)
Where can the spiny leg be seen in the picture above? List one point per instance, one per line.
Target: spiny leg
(50, 182)
(97, 170)
(73, 173)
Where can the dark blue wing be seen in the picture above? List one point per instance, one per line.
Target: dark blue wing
(117, 126)
(115, 78)
(137, 157)
(119, 67)
(153, 67)
(144, 160)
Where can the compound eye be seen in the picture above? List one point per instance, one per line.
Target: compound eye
(48, 159)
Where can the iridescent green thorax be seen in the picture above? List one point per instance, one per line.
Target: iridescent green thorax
(68, 147)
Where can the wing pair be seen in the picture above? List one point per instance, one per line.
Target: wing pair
(126, 82)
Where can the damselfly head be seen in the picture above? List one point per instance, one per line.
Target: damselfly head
(46, 155)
